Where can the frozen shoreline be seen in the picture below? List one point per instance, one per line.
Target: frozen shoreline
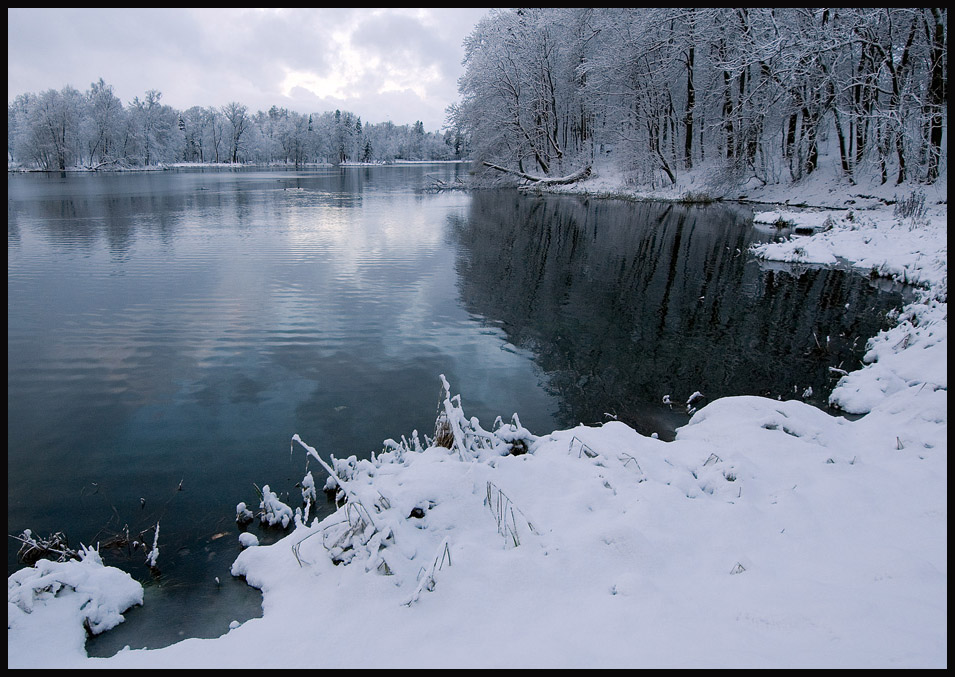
(767, 534)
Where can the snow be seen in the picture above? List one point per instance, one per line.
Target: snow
(50, 605)
(768, 534)
(152, 557)
(273, 510)
(910, 253)
(247, 540)
(242, 513)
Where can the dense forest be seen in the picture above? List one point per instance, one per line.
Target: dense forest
(750, 93)
(63, 129)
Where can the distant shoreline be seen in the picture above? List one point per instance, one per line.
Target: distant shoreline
(224, 165)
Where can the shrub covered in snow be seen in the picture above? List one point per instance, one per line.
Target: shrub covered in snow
(273, 511)
(96, 595)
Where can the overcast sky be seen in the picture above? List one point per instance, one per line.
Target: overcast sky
(382, 64)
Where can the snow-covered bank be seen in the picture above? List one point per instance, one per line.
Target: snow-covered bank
(162, 166)
(768, 534)
(877, 242)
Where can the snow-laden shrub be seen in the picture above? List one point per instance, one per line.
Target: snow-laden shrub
(100, 594)
(273, 510)
(911, 208)
(242, 514)
(55, 546)
(391, 535)
(308, 489)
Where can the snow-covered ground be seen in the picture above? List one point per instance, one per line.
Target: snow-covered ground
(768, 534)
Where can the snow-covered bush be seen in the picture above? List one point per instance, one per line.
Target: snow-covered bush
(99, 594)
(273, 510)
(242, 514)
(911, 208)
(55, 546)
(308, 488)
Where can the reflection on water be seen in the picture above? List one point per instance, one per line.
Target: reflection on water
(168, 333)
(180, 327)
(623, 304)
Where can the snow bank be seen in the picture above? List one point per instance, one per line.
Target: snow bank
(878, 242)
(913, 355)
(912, 358)
(51, 605)
(814, 221)
(768, 534)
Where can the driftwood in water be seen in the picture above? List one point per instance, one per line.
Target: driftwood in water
(544, 180)
(438, 186)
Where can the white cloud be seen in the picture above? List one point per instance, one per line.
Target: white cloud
(397, 64)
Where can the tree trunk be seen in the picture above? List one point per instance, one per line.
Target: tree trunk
(544, 180)
(688, 115)
(936, 95)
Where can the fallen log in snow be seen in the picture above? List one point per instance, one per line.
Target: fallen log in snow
(544, 180)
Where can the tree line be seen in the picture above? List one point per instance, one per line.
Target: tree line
(66, 128)
(752, 93)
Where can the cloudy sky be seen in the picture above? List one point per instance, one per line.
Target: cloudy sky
(382, 64)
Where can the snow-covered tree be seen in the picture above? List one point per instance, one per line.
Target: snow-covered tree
(236, 115)
(102, 123)
(748, 93)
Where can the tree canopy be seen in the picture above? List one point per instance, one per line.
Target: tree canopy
(748, 91)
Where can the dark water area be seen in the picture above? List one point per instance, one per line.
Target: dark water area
(168, 333)
(623, 304)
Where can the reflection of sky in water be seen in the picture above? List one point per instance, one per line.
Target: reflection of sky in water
(185, 325)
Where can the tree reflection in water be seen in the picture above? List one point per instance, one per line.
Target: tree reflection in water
(623, 303)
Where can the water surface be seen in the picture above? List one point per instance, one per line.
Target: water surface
(168, 333)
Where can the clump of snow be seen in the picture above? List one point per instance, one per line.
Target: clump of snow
(247, 540)
(50, 604)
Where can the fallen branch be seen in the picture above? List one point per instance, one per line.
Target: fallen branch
(35, 548)
(438, 186)
(544, 180)
(104, 163)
